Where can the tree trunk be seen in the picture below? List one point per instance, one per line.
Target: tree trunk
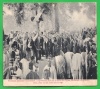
(56, 18)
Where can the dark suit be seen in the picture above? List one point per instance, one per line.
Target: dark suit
(65, 46)
(55, 47)
(49, 47)
(32, 44)
(38, 49)
(27, 49)
(41, 45)
(46, 49)
(60, 42)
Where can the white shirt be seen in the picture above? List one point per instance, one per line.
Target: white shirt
(60, 63)
(25, 65)
(19, 73)
(68, 57)
(76, 62)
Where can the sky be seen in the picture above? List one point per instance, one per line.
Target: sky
(72, 16)
(78, 15)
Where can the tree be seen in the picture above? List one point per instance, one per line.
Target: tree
(50, 9)
(18, 9)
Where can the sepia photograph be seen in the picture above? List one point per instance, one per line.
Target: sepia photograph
(49, 42)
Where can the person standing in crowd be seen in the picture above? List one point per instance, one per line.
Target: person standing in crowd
(49, 47)
(25, 37)
(33, 45)
(55, 47)
(25, 66)
(68, 57)
(60, 67)
(15, 42)
(46, 47)
(93, 71)
(62, 43)
(32, 74)
(84, 62)
(28, 49)
(38, 48)
(41, 43)
(21, 47)
(65, 45)
(60, 64)
(35, 67)
(49, 71)
(18, 72)
(13, 55)
(91, 64)
(76, 64)
(71, 44)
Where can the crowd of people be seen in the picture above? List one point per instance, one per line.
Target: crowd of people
(74, 55)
